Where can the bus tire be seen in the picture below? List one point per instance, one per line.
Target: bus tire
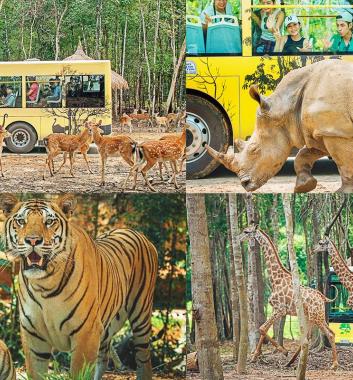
(23, 139)
(206, 125)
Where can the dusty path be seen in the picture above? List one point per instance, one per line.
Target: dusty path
(23, 173)
(271, 365)
(224, 181)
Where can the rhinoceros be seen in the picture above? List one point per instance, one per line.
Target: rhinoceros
(311, 109)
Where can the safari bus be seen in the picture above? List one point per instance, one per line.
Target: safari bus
(38, 98)
(233, 44)
(340, 316)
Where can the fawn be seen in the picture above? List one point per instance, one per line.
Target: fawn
(151, 152)
(57, 143)
(161, 120)
(117, 145)
(125, 120)
(3, 135)
(174, 136)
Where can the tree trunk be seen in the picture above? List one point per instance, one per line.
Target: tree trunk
(255, 279)
(278, 326)
(303, 323)
(155, 56)
(99, 8)
(59, 19)
(146, 58)
(202, 292)
(240, 282)
(123, 65)
(175, 76)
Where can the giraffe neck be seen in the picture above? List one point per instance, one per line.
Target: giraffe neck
(340, 267)
(276, 270)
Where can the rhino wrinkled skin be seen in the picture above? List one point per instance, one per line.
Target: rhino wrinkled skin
(311, 109)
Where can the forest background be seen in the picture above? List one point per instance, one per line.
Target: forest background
(143, 39)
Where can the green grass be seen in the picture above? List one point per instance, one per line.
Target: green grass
(86, 373)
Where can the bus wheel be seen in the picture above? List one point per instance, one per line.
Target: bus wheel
(206, 125)
(23, 138)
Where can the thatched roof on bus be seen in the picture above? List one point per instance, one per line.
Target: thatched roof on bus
(118, 82)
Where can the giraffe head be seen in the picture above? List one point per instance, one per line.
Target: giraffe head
(322, 245)
(248, 233)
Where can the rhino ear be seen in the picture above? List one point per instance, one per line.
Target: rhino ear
(254, 93)
(240, 144)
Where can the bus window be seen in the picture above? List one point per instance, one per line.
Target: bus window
(84, 91)
(213, 27)
(10, 92)
(302, 30)
(43, 91)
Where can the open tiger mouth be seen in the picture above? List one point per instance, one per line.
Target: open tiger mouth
(35, 261)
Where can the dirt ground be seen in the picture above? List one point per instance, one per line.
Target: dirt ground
(271, 365)
(224, 181)
(23, 173)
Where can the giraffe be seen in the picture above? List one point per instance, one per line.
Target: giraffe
(339, 265)
(282, 300)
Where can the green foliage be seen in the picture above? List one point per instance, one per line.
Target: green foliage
(86, 373)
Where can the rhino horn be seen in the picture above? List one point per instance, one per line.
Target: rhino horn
(228, 160)
(240, 144)
(255, 94)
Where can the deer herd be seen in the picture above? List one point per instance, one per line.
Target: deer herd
(140, 157)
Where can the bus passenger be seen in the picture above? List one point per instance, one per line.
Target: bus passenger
(293, 42)
(32, 93)
(55, 90)
(218, 7)
(341, 42)
(271, 20)
(10, 100)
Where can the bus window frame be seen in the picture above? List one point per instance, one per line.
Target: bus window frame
(246, 32)
(21, 86)
(299, 6)
(82, 81)
(53, 76)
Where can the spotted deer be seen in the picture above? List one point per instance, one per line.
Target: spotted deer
(174, 136)
(108, 146)
(148, 153)
(161, 120)
(57, 143)
(3, 135)
(282, 299)
(125, 120)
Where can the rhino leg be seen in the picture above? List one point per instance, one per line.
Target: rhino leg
(340, 150)
(303, 163)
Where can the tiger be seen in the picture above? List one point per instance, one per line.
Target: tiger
(7, 370)
(75, 293)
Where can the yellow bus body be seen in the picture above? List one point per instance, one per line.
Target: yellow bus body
(41, 119)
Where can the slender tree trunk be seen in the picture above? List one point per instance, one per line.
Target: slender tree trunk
(203, 306)
(303, 323)
(255, 283)
(59, 19)
(240, 281)
(155, 55)
(175, 76)
(99, 8)
(233, 290)
(146, 58)
(123, 65)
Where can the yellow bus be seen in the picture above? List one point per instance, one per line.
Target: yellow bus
(40, 98)
(227, 53)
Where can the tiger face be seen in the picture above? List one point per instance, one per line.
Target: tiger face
(36, 232)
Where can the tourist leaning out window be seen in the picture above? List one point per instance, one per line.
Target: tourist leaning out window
(270, 20)
(216, 8)
(341, 42)
(293, 42)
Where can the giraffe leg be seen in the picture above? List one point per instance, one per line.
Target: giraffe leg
(331, 337)
(263, 331)
(292, 359)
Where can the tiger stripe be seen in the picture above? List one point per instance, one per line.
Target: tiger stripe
(7, 370)
(83, 291)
